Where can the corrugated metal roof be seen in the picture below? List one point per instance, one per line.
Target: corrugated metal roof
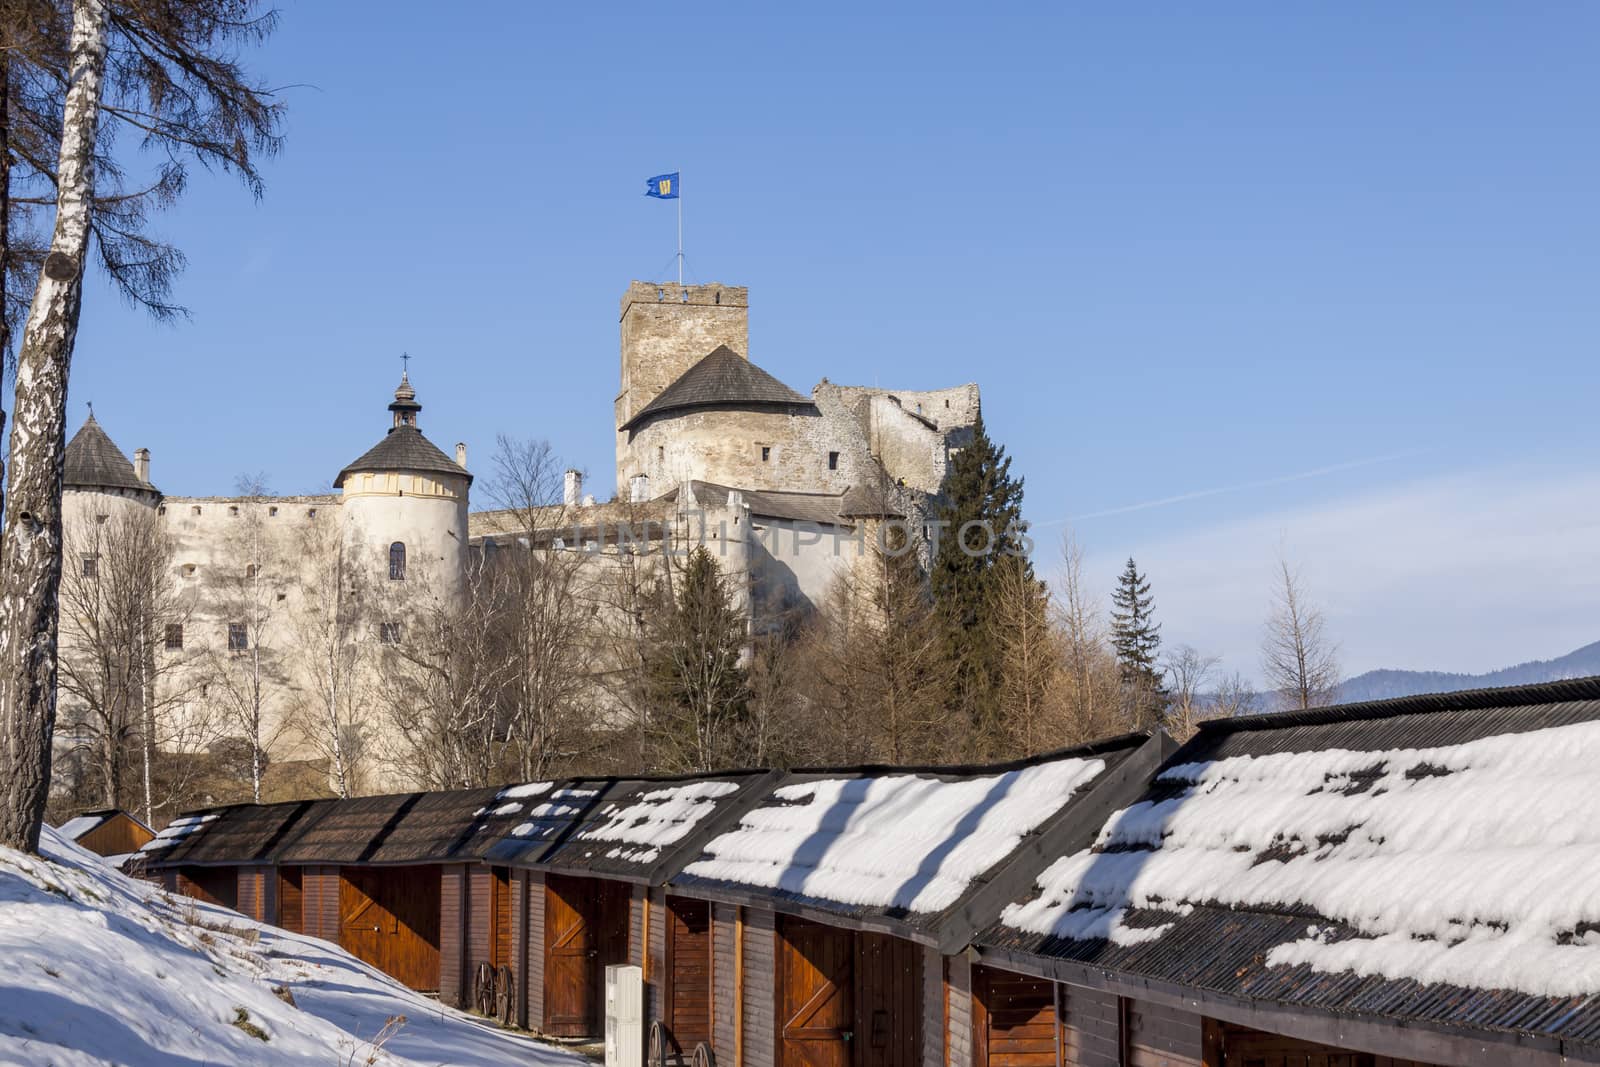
(1224, 949)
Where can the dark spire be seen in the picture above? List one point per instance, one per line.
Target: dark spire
(405, 406)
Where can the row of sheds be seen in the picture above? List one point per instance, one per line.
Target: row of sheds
(1403, 882)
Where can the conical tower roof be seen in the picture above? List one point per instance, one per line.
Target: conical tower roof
(722, 379)
(403, 448)
(95, 462)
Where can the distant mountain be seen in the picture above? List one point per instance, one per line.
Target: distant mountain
(1382, 684)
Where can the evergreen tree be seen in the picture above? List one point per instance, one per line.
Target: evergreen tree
(699, 689)
(980, 524)
(1136, 637)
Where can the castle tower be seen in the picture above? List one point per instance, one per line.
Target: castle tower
(405, 507)
(666, 329)
(99, 479)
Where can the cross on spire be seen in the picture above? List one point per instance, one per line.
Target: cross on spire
(405, 362)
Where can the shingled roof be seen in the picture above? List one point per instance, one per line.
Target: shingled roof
(95, 462)
(403, 449)
(1428, 859)
(724, 378)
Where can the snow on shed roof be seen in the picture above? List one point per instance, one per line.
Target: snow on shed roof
(902, 845)
(1440, 862)
(634, 828)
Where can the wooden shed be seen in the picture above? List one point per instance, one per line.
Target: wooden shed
(110, 832)
(833, 903)
(1327, 888)
(587, 876)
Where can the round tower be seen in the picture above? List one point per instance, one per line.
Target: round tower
(98, 480)
(405, 509)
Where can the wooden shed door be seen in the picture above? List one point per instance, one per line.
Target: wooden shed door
(572, 993)
(816, 994)
(389, 917)
(689, 952)
(291, 915)
(1014, 1020)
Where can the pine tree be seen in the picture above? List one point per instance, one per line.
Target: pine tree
(1136, 637)
(694, 674)
(979, 525)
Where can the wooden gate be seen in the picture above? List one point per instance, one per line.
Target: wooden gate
(689, 961)
(389, 917)
(816, 994)
(1013, 1020)
(586, 929)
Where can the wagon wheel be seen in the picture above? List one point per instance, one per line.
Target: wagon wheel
(660, 1040)
(483, 990)
(703, 1056)
(505, 998)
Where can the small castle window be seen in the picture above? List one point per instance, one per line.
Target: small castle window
(100, 520)
(161, 510)
(91, 566)
(947, 403)
(389, 633)
(397, 561)
(766, 453)
(174, 636)
(251, 571)
(195, 510)
(833, 461)
(272, 513)
(661, 455)
(233, 511)
(311, 513)
(188, 570)
(238, 637)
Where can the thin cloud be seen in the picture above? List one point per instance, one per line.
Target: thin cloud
(1264, 483)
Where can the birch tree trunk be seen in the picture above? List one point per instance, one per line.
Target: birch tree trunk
(30, 545)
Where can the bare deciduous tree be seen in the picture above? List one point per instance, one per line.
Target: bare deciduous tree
(1187, 672)
(1091, 680)
(128, 690)
(332, 644)
(1299, 659)
(250, 583)
(1030, 661)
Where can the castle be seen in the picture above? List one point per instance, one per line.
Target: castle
(709, 448)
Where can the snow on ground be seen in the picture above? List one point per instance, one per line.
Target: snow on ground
(97, 968)
(656, 819)
(1475, 864)
(902, 840)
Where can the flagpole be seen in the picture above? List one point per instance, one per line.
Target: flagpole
(680, 227)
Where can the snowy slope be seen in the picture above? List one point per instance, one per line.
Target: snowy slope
(97, 968)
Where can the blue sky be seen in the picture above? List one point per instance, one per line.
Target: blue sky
(1339, 262)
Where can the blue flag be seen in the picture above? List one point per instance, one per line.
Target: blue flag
(662, 186)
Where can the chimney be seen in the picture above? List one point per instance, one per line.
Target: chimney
(572, 488)
(141, 464)
(639, 489)
(461, 454)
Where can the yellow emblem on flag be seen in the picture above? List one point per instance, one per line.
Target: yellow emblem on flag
(665, 186)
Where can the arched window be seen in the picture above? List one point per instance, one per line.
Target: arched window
(397, 561)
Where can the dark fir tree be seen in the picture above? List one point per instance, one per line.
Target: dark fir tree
(981, 524)
(693, 672)
(1136, 637)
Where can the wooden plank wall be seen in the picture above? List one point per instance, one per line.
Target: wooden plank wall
(760, 1004)
(452, 934)
(724, 1010)
(1091, 1032)
(249, 894)
(117, 836)
(290, 899)
(1260, 1049)
(1158, 1036)
(319, 893)
(933, 1008)
(958, 1012)
(479, 933)
(534, 983)
(656, 975)
(689, 978)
